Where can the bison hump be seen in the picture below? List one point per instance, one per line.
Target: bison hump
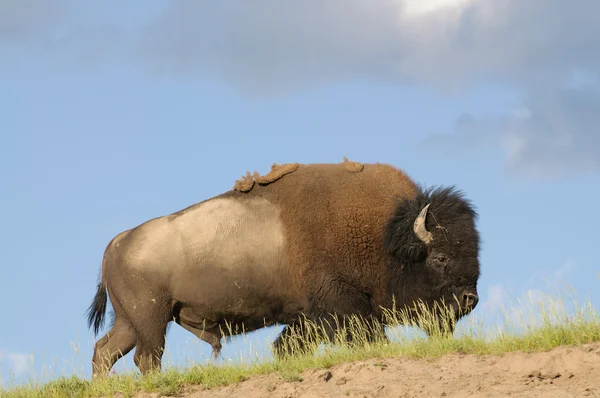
(247, 182)
(353, 167)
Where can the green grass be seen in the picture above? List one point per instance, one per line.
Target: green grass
(551, 323)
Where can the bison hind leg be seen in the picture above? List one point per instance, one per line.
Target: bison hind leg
(119, 340)
(150, 349)
(150, 323)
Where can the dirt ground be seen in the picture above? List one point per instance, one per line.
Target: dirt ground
(562, 372)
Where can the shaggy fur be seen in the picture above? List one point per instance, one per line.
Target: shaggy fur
(353, 167)
(276, 173)
(450, 219)
(246, 183)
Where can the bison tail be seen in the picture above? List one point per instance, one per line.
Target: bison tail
(97, 309)
(95, 312)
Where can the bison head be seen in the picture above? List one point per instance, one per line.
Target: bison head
(435, 248)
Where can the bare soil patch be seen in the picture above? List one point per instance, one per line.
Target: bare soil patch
(561, 372)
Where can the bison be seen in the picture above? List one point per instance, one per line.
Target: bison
(303, 241)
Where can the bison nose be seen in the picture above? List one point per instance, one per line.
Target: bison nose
(469, 300)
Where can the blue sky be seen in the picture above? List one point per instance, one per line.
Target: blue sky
(112, 114)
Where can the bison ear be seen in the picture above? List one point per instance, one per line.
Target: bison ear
(407, 238)
(402, 243)
(412, 253)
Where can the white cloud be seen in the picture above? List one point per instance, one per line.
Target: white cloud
(266, 47)
(505, 307)
(19, 363)
(496, 294)
(554, 133)
(424, 8)
(22, 20)
(561, 273)
(525, 308)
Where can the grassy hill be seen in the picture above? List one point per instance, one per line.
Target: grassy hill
(553, 323)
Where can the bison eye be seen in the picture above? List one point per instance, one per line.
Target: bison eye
(441, 259)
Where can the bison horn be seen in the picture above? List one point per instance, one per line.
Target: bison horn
(420, 229)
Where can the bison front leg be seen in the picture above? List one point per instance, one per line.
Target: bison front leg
(440, 326)
(303, 337)
(296, 339)
(366, 331)
(354, 331)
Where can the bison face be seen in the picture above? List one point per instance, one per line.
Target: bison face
(454, 276)
(435, 247)
(448, 286)
(451, 263)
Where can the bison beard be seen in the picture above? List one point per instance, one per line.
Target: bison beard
(319, 242)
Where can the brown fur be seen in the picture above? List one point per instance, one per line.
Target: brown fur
(353, 167)
(276, 173)
(337, 221)
(246, 183)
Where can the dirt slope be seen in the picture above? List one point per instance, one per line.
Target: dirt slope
(562, 372)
